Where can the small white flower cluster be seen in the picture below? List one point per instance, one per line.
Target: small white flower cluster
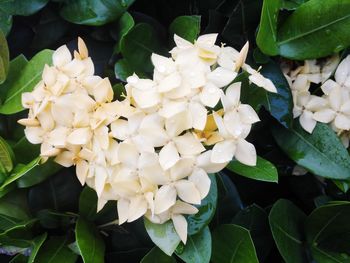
(151, 152)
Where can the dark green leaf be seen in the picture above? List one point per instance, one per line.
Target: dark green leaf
(263, 171)
(316, 29)
(287, 224)
(15, 205)
(94, 12)
(164, 236)
(267, 34)
(197, 248)
(25, 151)
(137, 46)
(206, 210)
(26, 81)
(90, 243)
(328, 232)
(291, 4)
(55, 250)
(321, 152)
(157, 256)
(255, 219)
(88, 203)
(6, 155)
(187, 27)
(4, 57)
(122, 69)
(232, 243)
(121, 28)
(37, 243)
(5, 22)
(21, 7)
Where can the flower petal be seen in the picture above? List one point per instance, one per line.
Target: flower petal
(168, 156)
(201, 180)
(188, 192)
(245, 153)
(223, 152)
(307, 121)
(188, 144)
(164, 199)
(180, 225)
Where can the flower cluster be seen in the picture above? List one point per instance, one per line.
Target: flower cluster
(151, 152)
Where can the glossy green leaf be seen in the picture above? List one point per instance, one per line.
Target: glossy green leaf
(19, 171)
(157, 256)
(37, 243)
(316, 29)
(263, 171)
(232, 243)
(15, 204)
(5, 22)
(121, 28)
(89, 241)
(267, 34)
(27, 80)
(4, 57)
(15, 68)
(21, 7)
(6, 155)
(38, 174)
(55, 250)
(88, 203)
(255, 219)
(122, 69)
(206, 209)
(321, 152)
(94, 12)
(25, 151)
(163, 236)
(187, 27)
(287, 226)
(137, 46)
(328, 232)
(291, 4)
(197, 248)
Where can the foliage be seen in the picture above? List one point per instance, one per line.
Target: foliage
(251, 214)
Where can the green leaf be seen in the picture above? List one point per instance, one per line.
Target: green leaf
(187, 27)
(255, 219)
(5, 22)
(197, 248)
(6, 155)
(263, 171)
(22, 8)
(138, 45)
(25, 151)
(287, 224)
(15, 204)
(321, 152)
(55, 250)
(88, 203)
(122, 69)
(94, 12)
(121, 28)
(316, 29)
(291, 4)
(206, 209)
(163, 236)
(267, 34)
(38, 174)
(157, 256)
(328, 232)
(37, 243)
(19, 171)
(232, 243)
(4, 57)
(89, 241)
(15, 69)
(27, 80)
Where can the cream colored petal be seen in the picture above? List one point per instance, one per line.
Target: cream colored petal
(180, 225)
(342, 122)
(100, 179)
(178, 123)
(342, 71)
(137, 208)
(83, 51)
(146, 98)
(182, 43)
(46, 120)
(234, 124)
(80, 136)
(301, 83)
(62, 114)
(58, 137)
(182, 169)
(232, 98)
(223, 152)
(168, 156)
(207, 40)
(112, 152)
(335, 99)
(242, 56)
(82, 168)
(163, 64)
(325, 115)
(210, 95)
(188, 192)
(49, 75)
(221, 126)
(101, 135)
(171, 108)
(29, 122)
(307, 122)
(61, 56)
(263, 82)
(221, 77)
(328, 86)
(183, 208)
(65, 159)
(103, 91)
(164, 199)
(316, 103)
(120, 129)
(199, 115)
(204, 161)
(245, 153)
(128, 154)
(247, 114)
(123, 210)
(201, 180)
(170, 82)
(188, 144)
(27, 99)
(47, 150)
(345, 108)
(74, 68)
(100, 204)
